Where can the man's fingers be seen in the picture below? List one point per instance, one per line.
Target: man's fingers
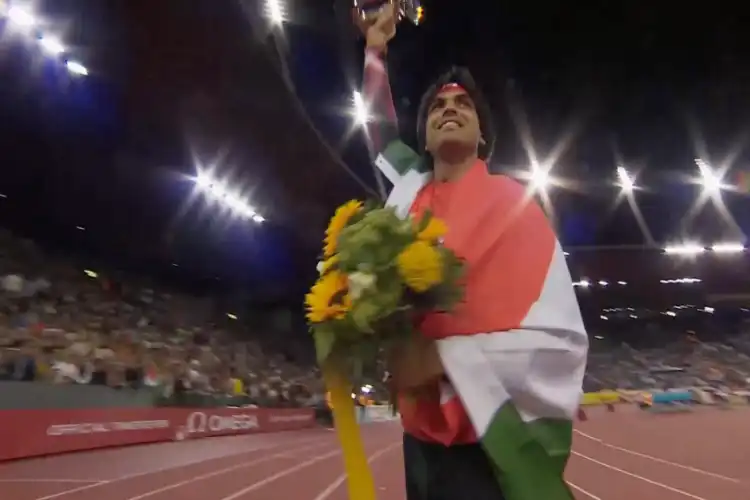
(385, 17)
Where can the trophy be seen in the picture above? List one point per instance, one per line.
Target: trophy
(367, 10)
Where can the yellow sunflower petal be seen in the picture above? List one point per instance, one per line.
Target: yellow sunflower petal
(435, 230)
(420, 265)
(338, 222)
(327, 299)
(328, 264)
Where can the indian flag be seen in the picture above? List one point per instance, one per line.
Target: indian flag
(519, 387)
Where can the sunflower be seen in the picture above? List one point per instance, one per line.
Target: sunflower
(338, 222)
(328, 264)
(421, 266)
(435, 230)
(328, 298)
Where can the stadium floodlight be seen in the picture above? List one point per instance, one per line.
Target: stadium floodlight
(275, 11)
(622, 283)
(21, 17)
(711, 181)
(217, 192)
(626, 182)
(603, 283)
(539, 178)
(51, 45)
(685, 249)
(76, 68)
(680, 281)
(728, 248)
(359, 110)
(582, 284)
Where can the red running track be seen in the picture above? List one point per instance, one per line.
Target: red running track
(624, 455)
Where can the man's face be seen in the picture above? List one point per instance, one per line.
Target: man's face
(452, 119)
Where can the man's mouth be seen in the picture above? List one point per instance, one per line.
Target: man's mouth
(449, 125)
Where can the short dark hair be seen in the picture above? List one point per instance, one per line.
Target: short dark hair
(462, 77)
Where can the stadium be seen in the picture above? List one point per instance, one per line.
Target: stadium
(169, 171)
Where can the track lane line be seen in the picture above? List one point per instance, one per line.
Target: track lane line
(279, 475)
(578, 488)
(656, 459)
(128, 477)
(328, 491)
(639, 477)
(223, 470)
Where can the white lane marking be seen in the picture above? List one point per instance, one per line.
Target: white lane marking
(639, 477)
(279, 475)
(578, 488)
(323, 495)
(223, 470)
(657, 459)
(136, 475)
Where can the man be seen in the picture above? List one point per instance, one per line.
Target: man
(487, 393)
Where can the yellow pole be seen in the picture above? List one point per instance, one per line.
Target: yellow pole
(359, 476)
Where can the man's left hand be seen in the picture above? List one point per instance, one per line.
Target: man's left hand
(415, 363)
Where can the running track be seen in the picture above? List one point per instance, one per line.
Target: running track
(624, 455)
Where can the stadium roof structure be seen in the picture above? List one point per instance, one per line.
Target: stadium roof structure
(631, 145)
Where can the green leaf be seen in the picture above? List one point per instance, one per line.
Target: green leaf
(324, 341)
(424, 221)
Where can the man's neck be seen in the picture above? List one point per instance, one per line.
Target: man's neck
(448, 171)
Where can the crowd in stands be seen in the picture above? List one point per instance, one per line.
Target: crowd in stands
(62, 324)
(680, 364)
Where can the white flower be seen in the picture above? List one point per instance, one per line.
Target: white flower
(359, 282)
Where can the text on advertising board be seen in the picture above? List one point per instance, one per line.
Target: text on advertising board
(26, 433)
(199, 422)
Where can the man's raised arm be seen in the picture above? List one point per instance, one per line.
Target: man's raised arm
(390, 155)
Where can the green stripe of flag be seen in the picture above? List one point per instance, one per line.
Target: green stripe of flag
(401, 157)
(530, 456)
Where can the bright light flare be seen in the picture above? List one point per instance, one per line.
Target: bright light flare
(217, 192)
(21, 17)
(711, 181)
(680, 281)
(728, 248)
(626, 182)
(686, 249)
(76, 68)
(275, 11)
(51, 45)
(539, 178)
(359, 110)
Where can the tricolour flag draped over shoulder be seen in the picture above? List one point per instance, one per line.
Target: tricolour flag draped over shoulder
(521, 386)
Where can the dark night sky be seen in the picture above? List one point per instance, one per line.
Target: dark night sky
(641, 82)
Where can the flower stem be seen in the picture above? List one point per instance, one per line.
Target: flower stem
(359, 476)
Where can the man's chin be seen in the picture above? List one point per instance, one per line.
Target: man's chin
(452, 146)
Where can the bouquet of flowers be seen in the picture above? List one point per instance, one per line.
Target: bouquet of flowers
(379, 273)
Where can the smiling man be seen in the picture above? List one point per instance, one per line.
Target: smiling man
(487, 393)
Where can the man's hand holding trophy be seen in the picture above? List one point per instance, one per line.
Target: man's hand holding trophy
(377, 19)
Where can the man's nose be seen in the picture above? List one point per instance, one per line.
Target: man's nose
(449, 110)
